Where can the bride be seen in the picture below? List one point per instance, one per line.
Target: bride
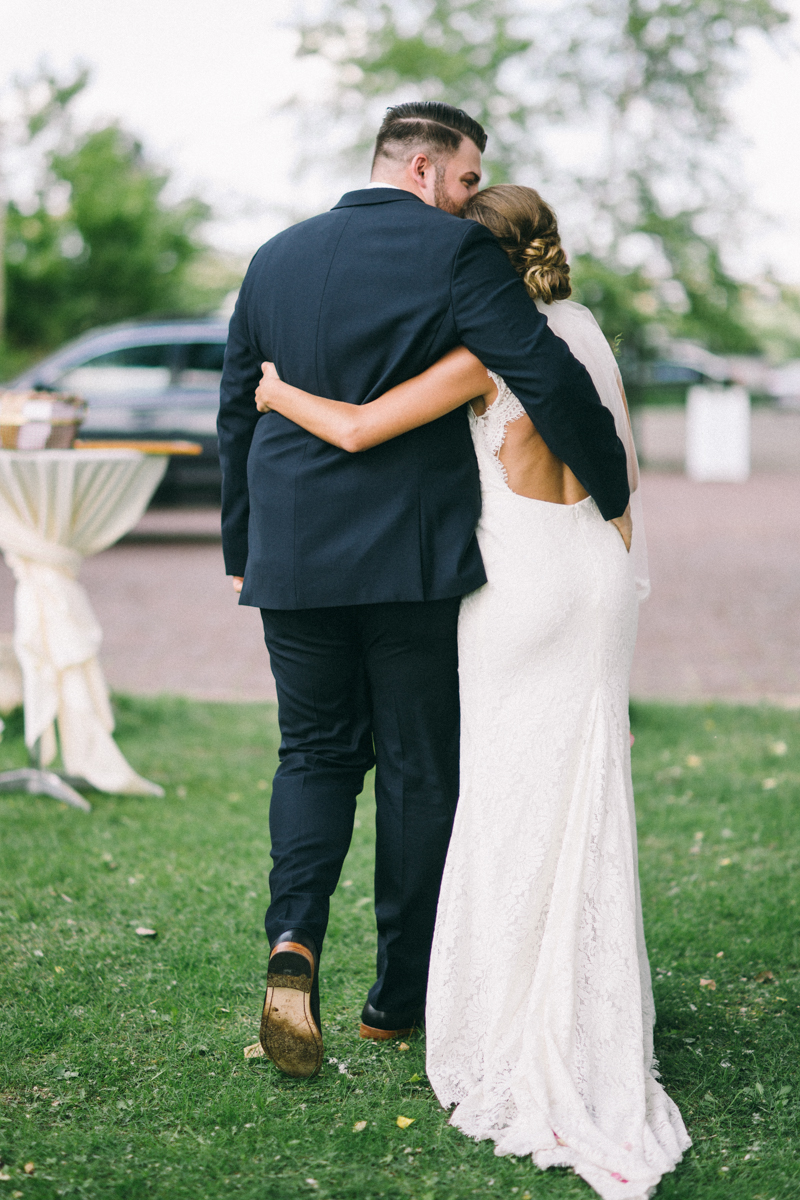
(539, 1011)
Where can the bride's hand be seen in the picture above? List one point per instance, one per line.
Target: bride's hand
(625, 526)
(264, 390)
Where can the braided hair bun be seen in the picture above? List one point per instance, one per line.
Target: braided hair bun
(527, 230)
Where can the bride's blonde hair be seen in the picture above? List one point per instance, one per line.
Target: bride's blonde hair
(527, 230)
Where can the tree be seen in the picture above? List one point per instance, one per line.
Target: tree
(38, 107)
(614, 108)
(97, 241)
(644, 80)
(116, 250)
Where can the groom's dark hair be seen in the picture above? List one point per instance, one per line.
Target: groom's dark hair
(436, 127)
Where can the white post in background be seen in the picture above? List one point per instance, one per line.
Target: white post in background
(718, 434)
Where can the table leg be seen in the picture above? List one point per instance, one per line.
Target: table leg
(42, 783)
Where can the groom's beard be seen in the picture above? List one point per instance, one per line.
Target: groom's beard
(440, 196)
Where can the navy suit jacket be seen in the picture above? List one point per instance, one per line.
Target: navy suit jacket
(347, 305)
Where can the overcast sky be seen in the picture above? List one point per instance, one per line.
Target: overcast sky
(198, 81)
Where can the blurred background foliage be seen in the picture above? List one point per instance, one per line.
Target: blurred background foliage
(617, 110)
(99, 240)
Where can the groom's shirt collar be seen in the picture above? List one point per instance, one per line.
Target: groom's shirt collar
(376, 193)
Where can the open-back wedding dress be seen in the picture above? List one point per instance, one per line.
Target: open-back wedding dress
(540, 1007)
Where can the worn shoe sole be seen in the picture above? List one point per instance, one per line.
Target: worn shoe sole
(289, 1034)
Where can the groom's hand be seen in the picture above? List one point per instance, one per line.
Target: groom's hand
(625, 526)
(237, 581)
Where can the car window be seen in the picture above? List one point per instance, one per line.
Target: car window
(148, 370)
(138, 369)
(202, 366)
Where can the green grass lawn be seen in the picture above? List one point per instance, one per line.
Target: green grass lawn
(122, 1070)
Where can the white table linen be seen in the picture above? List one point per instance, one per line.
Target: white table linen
(57, 507)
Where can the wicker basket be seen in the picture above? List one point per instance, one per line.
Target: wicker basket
(39, 420)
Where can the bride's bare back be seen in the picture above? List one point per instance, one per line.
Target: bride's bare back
(531, 467)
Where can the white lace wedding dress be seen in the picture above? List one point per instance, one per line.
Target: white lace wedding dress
(540, 1008)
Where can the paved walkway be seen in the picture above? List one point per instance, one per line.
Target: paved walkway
(723, 620)
(774, 436)
(724, 615)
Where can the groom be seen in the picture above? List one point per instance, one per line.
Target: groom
(358, 562)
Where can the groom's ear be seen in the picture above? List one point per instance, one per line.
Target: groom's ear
(420, 164)
(422, 171)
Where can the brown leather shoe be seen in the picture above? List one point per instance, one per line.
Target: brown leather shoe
(381, 1026)
(383, 1035)
(290, 1025)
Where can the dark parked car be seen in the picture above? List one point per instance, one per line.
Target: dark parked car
(155, 379)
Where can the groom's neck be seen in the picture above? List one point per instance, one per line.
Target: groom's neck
(416, 174)
(391, 179)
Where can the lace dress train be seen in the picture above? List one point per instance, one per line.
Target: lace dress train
(540, 1008)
